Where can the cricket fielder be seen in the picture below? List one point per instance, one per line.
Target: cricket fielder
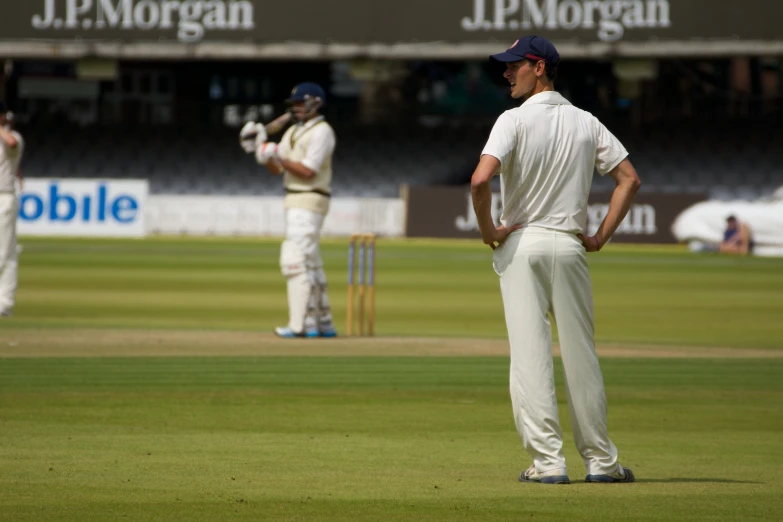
(546, 151)
(304, 158)
(11, 148)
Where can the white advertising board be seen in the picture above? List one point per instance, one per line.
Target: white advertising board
(83, 207)
(265, 216)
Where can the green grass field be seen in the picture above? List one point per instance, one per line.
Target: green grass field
(139, 381)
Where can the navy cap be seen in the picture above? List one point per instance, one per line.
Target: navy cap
(307, 91)
(531, 48)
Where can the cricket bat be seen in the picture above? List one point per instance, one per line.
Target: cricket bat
(278, 124)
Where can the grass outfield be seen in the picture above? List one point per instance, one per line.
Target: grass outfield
(138, 381)
(356, 438)
(444, 289)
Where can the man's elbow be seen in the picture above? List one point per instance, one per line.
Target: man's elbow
(12, 143)
(478, 180)
(631, 180)
(635, 183)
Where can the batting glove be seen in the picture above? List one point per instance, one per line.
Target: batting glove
(267, 151)
(251, 135)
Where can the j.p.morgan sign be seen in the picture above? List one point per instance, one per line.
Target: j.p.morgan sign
(609, 18)
(191, 19)
(431, 24)
(448, 212)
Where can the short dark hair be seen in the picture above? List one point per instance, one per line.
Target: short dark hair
(731, 218)
(550, 69)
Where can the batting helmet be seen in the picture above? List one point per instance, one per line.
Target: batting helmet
(307, 91)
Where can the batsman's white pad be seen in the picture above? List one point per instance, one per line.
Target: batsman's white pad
(314, 303)
(319, 301)
(292, 259)
(298, 299)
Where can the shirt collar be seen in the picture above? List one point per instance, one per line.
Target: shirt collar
(547, 98)
(310, 123)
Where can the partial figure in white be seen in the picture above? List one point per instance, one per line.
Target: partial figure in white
(545, 152)
(11, 148)
(304, 158)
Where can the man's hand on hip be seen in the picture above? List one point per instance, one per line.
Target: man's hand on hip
(498, 235)
(591, 243)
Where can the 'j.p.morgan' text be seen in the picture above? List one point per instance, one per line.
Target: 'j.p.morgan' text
(611, 18)
(191, 18)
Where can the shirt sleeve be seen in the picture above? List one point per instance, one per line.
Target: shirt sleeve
(609, 151)
(502, 140)
(321, 144)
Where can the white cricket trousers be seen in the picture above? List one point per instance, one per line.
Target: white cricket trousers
(307, 285)
(545, 272)
(8, 260)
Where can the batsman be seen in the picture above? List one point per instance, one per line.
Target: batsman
(304, 159)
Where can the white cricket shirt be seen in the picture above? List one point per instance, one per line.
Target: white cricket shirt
(312, 144)
(547, 150)
(9, 163)
(321, 142)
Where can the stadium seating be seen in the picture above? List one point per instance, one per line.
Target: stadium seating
(728, 160)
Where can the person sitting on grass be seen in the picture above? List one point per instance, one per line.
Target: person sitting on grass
(737, 238)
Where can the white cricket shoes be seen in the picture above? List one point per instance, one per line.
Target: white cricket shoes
(620, 475)
(286, 333)
(553, 476)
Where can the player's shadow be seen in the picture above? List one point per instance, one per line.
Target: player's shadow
(695, 480)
